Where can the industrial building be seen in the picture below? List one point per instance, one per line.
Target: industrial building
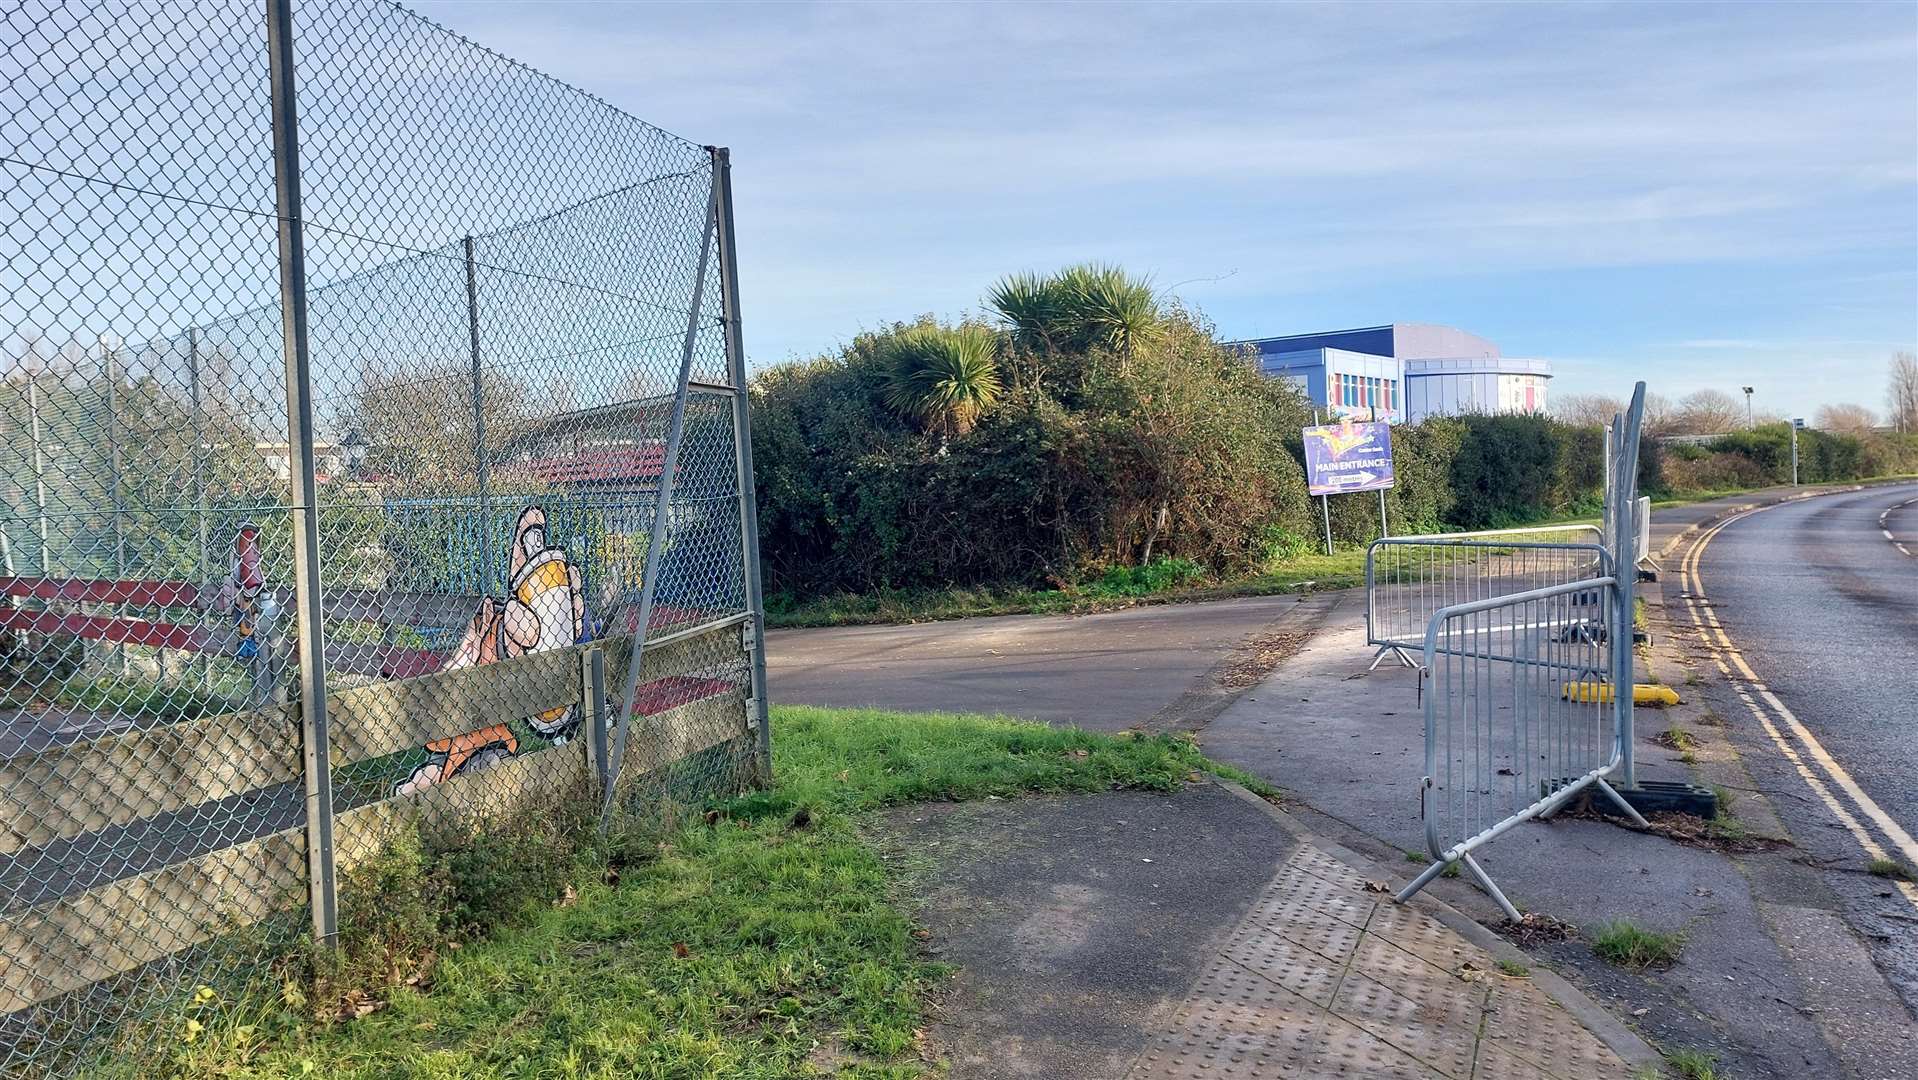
(1403, 372)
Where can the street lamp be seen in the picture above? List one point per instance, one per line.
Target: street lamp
(1748, 406)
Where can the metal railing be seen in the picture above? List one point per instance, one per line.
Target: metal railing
(1527, 685)
(1408, 579)
(378, 466)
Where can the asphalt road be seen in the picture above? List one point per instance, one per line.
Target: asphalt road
(1824, 607)
(1105, 672)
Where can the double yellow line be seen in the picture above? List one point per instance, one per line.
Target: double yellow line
(1802, 749)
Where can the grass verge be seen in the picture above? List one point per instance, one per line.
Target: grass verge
(1342, 570)
(764, 939)
(1623, 943)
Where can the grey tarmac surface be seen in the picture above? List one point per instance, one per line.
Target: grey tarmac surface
(1825, 609)
(1103, 672)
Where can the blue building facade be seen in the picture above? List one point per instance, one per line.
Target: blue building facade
(1403, 371)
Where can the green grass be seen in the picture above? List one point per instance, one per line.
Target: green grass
(1422, 858)
(1891, 868)
(1514, 969)
(1342, 570)
(1623, 943)
(1694, 1064)
(734, 946)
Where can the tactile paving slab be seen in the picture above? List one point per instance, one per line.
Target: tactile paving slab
(1523, 1021)
(1325, 979)
(1234, 1024)
(1495, 1063)
(1426, 938)
(1428, 1015)
(1287, 964)
(1344, 1050)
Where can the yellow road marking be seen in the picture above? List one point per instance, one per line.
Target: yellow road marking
(1747, 684)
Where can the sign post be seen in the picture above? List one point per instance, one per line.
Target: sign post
(1796, 423)
(1347, 457)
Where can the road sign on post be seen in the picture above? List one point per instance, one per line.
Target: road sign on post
(1797, 424)
(1348, 457)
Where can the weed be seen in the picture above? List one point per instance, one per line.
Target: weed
(1515, 969)
(1622, 943)
(1159, 575)
(1451, 870)
(1727, 828)
(1891, 868)
(1694, 1064)
(1416, 857)
(1679, 739)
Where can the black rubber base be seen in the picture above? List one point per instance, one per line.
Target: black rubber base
(1663, 796)
(1649, 797)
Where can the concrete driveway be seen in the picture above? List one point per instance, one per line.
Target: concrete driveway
(1105, 672)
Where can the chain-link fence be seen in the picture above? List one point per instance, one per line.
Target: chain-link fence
(373, 403)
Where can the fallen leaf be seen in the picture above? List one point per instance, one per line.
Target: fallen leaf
(1377, 886)
(567, 897)
(680, 950)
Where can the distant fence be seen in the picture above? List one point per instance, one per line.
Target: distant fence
(1409, 578)
(377, 458)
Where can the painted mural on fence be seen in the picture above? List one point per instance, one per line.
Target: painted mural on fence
(544, 608)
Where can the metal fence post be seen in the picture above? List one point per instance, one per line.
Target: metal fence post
(479, 417)
(39, 470)
(662, 512)
(118, 499)
(200, 579)
(305, 510)
(592, 696)
(755, 628)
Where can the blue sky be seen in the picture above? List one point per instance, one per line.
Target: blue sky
(1692, 194)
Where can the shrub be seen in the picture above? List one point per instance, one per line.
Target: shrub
(1156, 576)
(1169, 445)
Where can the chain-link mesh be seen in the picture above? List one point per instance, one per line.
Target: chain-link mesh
(507, 284)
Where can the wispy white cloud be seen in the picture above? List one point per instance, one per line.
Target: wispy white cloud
(895, 158)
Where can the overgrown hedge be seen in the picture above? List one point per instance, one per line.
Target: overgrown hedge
(1178, 447)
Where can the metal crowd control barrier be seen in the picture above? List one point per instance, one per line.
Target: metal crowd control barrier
(1407, 579)
(1526, 690)
(1513, 729)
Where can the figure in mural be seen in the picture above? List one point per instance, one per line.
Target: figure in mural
(544, 608)
(242, 595)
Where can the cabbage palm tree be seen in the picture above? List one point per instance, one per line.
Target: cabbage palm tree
(1091, 305)
(943, 377)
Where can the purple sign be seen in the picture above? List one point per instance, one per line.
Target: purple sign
(1348, 457)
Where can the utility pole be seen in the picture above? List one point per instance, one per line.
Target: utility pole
(1748, 407)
